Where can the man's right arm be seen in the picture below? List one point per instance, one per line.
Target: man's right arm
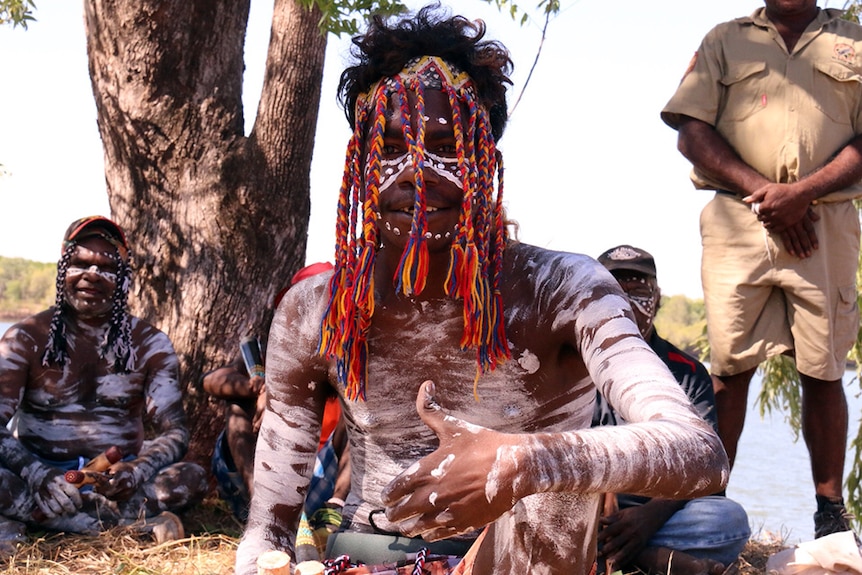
(710, 153)
(296, 391)
(230, 382)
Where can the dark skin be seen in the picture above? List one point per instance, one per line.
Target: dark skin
(786, 210)
(246, 402)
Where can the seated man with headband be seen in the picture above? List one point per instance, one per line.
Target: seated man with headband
(100, 427)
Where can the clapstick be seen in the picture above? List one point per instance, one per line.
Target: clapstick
(105, 459)
(82, 478)
(92, 471)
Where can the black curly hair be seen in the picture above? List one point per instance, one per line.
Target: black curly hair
(384, 50)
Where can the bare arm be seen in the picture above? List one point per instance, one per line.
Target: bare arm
(18, 356)
(296, 383)
(625, 533)
(667, 450)
(231, 383)
(710, 153)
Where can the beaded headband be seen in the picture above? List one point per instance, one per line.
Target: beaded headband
(476, 255)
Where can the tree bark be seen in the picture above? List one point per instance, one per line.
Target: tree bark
(217, 220)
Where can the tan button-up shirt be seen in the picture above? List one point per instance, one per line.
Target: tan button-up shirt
(785, 114)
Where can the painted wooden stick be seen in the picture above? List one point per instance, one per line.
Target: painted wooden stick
(92, 472)
(82, 478)
(104, 460)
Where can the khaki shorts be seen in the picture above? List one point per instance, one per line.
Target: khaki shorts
(761, 301)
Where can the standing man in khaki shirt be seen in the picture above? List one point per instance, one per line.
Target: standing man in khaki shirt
(770, 115)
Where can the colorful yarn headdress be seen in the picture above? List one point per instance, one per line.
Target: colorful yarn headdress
(117, 343)
(476, 255)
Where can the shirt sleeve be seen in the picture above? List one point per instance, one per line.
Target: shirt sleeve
(700, 90)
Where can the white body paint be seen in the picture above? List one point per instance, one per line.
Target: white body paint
(441, 469)
(579, 329)
(85, 407)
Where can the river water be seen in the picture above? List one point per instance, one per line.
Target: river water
(772, 477)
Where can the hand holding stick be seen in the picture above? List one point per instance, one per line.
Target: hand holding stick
(93, 471)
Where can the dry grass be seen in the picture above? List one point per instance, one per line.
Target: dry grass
(208, 549)
(757, 552)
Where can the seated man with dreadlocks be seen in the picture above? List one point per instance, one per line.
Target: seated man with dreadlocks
(85, 379)
(498, 345)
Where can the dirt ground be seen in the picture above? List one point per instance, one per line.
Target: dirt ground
(209, 548)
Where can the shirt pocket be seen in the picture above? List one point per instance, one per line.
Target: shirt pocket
(744, 84)
(836, 91)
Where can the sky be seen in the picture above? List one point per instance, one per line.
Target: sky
(589, 163)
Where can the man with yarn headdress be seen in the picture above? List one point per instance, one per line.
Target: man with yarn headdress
(83, 378)
(497, 344)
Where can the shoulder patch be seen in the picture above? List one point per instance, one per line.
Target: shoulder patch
(690, 66)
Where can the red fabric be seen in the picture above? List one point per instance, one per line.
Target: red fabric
(331, 414)
(310, 270)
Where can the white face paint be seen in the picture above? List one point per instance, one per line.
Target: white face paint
(446, 168)
(74, 271)
(91, 278)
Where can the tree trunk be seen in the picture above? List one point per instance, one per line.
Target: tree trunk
(217, 221)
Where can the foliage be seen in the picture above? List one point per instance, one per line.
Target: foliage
(681, 321)
(17, 12)
(26, 287)
(345, 16)
(548, 7)
(852, 10)
(340, 16)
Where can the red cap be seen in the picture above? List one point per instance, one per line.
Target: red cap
(97, 226)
